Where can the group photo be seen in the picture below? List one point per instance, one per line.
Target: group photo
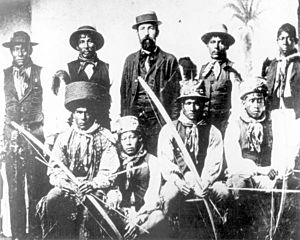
(162, 119)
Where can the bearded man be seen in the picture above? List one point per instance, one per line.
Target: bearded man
(160, 70)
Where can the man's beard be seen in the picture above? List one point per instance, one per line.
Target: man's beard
(148, 44)
(88, 53)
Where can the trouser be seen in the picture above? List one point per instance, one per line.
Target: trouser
(63, 216)
(247, 181)
(151, 128)
(19, 166)
(172, 197)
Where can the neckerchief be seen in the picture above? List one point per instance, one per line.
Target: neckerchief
(283, 74)
(215, 66)
(130, 161)
(255, 133)
(84, 62)
(21, 76)
(191, 135)
(83, 141)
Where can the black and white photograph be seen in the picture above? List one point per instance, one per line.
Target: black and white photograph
(138, 119)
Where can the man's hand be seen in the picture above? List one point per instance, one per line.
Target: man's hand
(203, 191)
(272, 174)
(66, 186)
(194, 185)
(183, 187)
(103, 180)
(132, 229)
(87, 187)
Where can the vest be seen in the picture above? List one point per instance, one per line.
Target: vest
(218, 90)
(28, 110)
(203, 131)
(100, 75)
(264, 157)
(138, 185)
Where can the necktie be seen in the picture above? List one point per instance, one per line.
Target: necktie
(217, 69)
(21, 81)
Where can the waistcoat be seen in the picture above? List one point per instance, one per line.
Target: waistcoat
(264, 157)
(100, 75)
(203, 131)
(219, 90)
(138, 185)
(28, 109)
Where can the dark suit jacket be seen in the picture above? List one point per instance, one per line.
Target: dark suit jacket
(290, 102)
(166, 75)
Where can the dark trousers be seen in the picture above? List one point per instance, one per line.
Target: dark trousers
(18, 166)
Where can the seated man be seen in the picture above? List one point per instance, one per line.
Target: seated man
(204, 144)
(248, 140)
(141, 183)
(88, 151)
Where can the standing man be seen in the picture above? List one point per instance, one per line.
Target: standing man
(141, 184)
(160, 70)
(88, 67)
(23, 99)
(220, 78)
(88, 150)
(283, 73)
(204, 144)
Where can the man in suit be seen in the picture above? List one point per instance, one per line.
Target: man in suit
(160, 70)
(23, 105)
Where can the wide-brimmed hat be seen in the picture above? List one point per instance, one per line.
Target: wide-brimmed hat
(98, 38)
(193, 89)
(148, 17)
(83, 92)
(219, 30)
(127, 123)
(19, 37)
(253, 85)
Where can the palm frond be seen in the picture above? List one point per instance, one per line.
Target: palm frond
(241, 18)
(234, 8)
(250, 8)
(242, 5)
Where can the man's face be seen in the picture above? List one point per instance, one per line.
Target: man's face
(217, 48)
(84, 118)
(86, 45)
(285, 43)
(130, 142)
(147, 33)
(192, 108)
(20, 53)
(254, 104)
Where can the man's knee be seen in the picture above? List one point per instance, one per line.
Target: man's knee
(220, 191)
(169, 194)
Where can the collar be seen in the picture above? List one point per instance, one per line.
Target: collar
(291, 57)
(143, 51)
(126, 159)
